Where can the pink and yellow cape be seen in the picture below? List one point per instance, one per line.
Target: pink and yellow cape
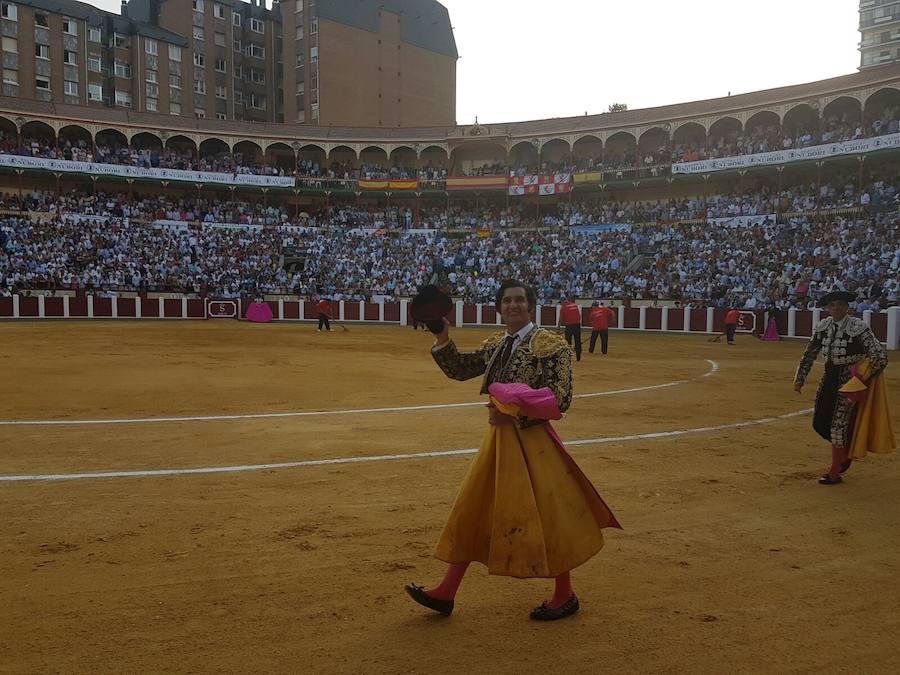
(525, 508)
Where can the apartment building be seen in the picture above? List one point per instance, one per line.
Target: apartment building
(386, 63)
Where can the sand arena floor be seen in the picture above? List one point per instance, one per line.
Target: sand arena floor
(732, 559)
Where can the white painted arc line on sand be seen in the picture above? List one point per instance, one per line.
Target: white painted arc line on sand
(378, 458)
(714, 367)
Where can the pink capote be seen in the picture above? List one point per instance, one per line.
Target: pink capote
(771, 334)
(259, 312)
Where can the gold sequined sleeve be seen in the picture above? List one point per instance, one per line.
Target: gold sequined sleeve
(558, 371)
(461, 365)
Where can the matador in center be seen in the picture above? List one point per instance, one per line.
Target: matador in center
(525, 508)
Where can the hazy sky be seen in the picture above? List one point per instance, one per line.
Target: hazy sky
(530, 59)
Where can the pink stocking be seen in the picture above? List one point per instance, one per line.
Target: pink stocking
(450, 584)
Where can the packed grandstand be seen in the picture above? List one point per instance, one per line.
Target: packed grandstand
(764, 200)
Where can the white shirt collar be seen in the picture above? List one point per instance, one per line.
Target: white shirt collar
(520, 335)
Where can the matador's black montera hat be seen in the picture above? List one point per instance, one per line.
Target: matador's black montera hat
(846, 296)
(430, 307)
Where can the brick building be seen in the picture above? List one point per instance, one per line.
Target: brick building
(383, 63)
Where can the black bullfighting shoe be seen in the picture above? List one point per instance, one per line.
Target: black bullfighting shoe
(544, 613)
(418, 594)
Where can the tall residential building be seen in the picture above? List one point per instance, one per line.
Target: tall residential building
(386, 63)
(879, 28)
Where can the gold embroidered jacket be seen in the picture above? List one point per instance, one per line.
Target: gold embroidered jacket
(541, 359)
(842, 343)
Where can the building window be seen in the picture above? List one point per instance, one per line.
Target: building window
(314, 111)
(256, 51)
(298, 6)
(95, 63)
(95, 35)
(236, 46)
(239, 97)
(221, 116)
(238, 72)
(314, 26)
(256, 26)
(175, 53)
(299, 34)
(301, 59)
(198, 32)
(152, 90)
(70, 58)
(221, 92)
(11, 77)
(175, 81)
(41, 20)
(152, 105)
(151, 47)
(219, 39)
(11, 45)
(199, 86)
(123, 98)
(235, 19)
(42, 83)
(199, 113)
(150, 76)
(174, 108)
(257, 76)
(218, 11)
(10, 11)
(69, 26)
(122, 69)
(256, 101)
(199, 59)
(42, 51)
(301, 116)
(197, 5)
(70, 88)
(95, 92)
(220, 65)
(120, 41)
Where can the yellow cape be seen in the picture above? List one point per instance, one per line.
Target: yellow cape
(872, 430)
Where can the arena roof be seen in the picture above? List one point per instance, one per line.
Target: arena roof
(94, 17)
(423, 23)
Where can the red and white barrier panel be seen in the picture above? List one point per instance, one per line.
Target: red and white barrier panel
(790, 323)
(94, 307)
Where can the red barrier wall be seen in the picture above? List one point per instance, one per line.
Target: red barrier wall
(370, 312)
(6, 306)
(676, 319)
(53, 307)
(127, 307)
(698, 320)
(150, 308)
(392, 312)
(102, 307)
(879, 326)
(653, 318)
(632, 317)
(351, 311)
(78, 307)
(28, 306)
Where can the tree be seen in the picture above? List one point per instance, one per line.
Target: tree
(618, 107)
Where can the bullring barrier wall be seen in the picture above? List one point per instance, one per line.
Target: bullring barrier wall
(791, 323)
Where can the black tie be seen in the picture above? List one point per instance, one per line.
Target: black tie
(507, 350)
